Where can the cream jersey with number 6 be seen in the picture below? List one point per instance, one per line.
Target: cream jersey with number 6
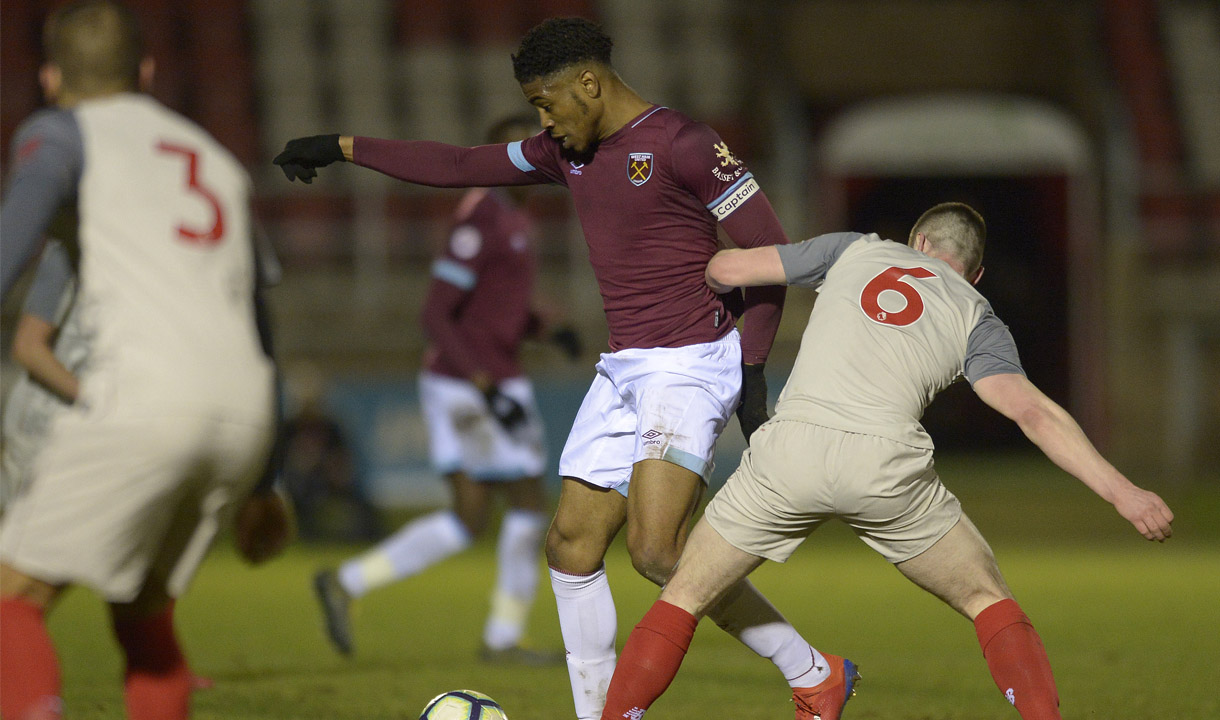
(167, 263)
(891, 328)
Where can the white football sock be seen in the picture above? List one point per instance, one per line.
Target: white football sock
(518, 553)
(589, 624)
(415, 546)
(748, 616)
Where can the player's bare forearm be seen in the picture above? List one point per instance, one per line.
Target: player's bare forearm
(264, 526)
(1064, 442)
(736, 267)
(756, 227)
(347, 143)
(1053, 430)
(1057, 435)
(33, 350)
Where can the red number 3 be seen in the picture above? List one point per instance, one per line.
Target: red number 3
(892, 279)
(214, 234)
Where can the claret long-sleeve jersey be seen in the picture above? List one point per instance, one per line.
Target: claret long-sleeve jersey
(648, 198)
(478, 308)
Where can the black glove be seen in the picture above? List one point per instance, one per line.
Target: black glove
(752, 410)
(508, 412)
(568, 341)
(301, 157)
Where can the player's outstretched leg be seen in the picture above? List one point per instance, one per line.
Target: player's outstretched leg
(517, 551)
(336, 609)
(417, 545)
(658, 644)
(825, 701)
(821, 684)
(651, 658)
(1018, 661)
(961, 570)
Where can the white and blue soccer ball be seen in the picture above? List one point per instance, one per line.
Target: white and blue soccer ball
(463, 705)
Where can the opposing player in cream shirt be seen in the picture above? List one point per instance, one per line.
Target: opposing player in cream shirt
(172, 426)
(893, 325)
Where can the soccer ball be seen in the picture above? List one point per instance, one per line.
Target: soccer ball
(463, 705)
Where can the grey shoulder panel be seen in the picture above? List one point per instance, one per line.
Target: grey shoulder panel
(806, 263)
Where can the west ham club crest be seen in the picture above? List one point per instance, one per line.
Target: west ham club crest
(639, 168)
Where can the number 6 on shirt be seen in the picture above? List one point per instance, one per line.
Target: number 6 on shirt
(893, 279)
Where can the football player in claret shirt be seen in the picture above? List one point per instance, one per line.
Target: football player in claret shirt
(485, 431)
(649, 186)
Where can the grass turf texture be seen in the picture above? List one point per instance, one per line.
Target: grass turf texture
(1130, 625)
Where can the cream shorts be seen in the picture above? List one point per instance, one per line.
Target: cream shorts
(464, 436)
(113, 503)
(797, 475)
(655, 403)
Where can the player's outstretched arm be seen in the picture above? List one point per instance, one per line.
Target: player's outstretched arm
(744, 268)
(301, 157)
(753, 267)
(421, 162)
(1057, 434)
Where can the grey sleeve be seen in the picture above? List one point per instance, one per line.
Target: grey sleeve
(991, 350)
(51, 279)
(48, 156)
(806, 263)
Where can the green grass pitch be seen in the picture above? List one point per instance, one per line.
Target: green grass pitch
(1131, 626)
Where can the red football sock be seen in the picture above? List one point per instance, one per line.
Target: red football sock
(157, 684)
(650, 660)
(1017, 660)
(29, 670)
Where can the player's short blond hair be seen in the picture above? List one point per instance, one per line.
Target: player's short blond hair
(96, 45)
(955, 229)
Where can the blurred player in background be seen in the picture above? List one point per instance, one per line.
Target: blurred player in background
(485, 432)
(893, 326)
(49, 348)
(329, 500)
(174, 416)
(649, 185)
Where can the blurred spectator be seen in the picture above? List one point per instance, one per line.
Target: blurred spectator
(318, 470)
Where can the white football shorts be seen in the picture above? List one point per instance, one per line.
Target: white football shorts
(654, 403)
(464, 436)
(114, 503)
(28, 412)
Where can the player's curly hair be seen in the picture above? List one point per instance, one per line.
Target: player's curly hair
(557, 43)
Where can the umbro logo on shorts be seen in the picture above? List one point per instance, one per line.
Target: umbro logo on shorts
(651, 434)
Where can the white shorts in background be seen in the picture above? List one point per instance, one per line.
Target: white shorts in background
(654, 403)
(464, 436)
(113, 503)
